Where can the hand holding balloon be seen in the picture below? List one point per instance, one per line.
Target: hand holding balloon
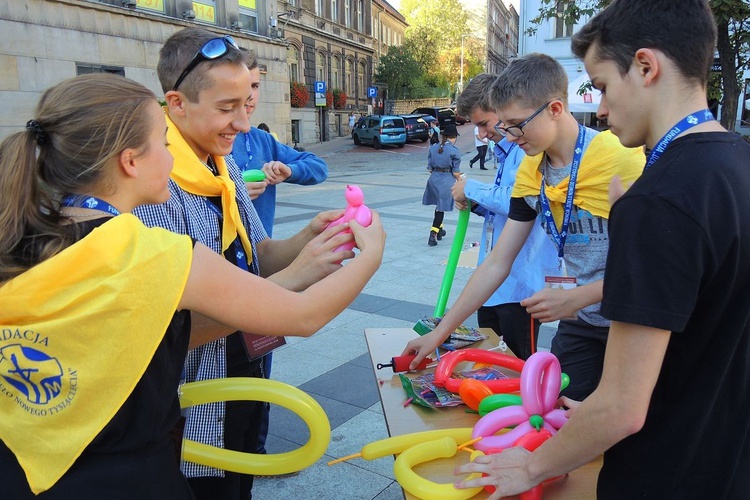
(355, 210)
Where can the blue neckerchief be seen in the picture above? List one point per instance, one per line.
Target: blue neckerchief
(560, 236)
(86, 201)
(686, 123)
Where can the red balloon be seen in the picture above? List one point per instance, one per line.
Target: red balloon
(449, 361)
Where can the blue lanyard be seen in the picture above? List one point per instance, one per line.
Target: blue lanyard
(686, 123)
(247, 150)
(86, 201)
(560, 236)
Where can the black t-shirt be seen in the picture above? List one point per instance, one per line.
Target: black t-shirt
(132, 457)
(679, 260)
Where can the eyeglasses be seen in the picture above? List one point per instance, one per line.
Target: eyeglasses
(517, 130)
(212, 49)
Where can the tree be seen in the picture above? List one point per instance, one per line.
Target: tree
(398, 68)
(434, 32)
(733, 44)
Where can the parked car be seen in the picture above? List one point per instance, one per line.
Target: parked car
(443, 115)
(380, 129)
(460, 120)
(416, 128)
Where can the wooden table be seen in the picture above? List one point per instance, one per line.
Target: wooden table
(385, 343)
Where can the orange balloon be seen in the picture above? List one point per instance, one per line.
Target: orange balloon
(473, 391)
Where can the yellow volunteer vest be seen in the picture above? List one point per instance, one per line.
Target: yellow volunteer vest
(77, 333)
(603, 159)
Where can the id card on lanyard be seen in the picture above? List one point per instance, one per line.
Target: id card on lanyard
(560, 279)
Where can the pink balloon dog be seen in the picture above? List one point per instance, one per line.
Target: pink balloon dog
(540, 387)
(356, 210)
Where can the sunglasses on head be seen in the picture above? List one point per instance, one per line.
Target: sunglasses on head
(212, 49)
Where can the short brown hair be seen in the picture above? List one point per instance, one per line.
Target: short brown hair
(179, 50)
(530, 81)
(476, 95)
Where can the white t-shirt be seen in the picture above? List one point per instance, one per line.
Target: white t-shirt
(479, 142)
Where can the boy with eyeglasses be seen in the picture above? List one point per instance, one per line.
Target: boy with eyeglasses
(563, 182)
(502, 311)
(207, 81)
(671, 411)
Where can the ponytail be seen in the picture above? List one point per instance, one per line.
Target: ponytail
(81, 126)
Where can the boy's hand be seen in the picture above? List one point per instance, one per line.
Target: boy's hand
(321, 221)
(370, 238)
(550, 304)
(276, 172)
(317, 258)
(423, 346)
(457, 191)
(506, 471)
(255, 189)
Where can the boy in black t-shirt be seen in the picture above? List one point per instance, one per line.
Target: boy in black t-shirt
(671, 410)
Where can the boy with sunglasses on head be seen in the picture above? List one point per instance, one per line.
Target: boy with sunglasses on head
(670, 413)
(207, 81)
(563, 180)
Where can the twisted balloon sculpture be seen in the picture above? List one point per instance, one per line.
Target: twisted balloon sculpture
(355, 210)
(540, 387)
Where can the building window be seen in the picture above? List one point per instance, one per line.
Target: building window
(361, 16)
(292, 58)
(562, 30)
(319, 10)
(335, 11)
(348, 13)
(205, 11)
(320, 67)
(249, 15)
(86, 69)
(156, 5)
(335, 65)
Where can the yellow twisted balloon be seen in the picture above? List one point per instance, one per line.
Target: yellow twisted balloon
(256, 389)
(420, 487)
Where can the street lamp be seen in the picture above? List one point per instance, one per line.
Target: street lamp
(461, 84)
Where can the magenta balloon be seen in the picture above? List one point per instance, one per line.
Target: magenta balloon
(538, 390)
(498, 419)
(363, 216)
(504, 441)
(556, 418)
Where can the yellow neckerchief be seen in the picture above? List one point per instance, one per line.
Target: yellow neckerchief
(192, 175)
(604, 158)
(77, 332)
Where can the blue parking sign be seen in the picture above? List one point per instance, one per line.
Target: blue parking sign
(372, 91)
(320, 87)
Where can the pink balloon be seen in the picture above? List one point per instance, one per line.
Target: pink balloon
(540, 386)
(540, 383)
(355, 210)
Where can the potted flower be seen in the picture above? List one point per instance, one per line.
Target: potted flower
(339, 99)
(298, 95)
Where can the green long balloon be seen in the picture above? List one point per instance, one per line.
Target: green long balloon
(450, 268)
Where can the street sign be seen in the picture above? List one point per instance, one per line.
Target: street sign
(372, 91)
(320, 93)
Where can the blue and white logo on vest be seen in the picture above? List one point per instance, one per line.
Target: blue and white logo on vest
(30, 377)
(31, 372)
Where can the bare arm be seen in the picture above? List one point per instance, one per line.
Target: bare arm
(483, 283)
(615, 410)
(242, 301)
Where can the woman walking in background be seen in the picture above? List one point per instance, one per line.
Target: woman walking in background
(443, 163)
